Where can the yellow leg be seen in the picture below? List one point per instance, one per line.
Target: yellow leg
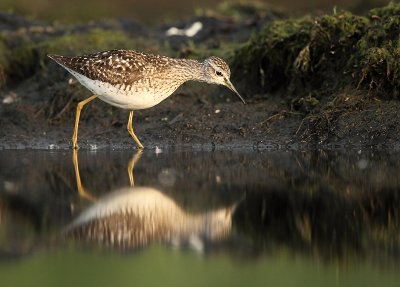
(81, 190)
(131, 165)
(78, 114)
(130, 130)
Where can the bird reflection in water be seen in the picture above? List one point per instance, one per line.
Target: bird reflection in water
(134, 217)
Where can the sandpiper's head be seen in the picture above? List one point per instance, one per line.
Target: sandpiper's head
(216, 71)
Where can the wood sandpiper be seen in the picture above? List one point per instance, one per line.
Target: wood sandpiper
(131, 80)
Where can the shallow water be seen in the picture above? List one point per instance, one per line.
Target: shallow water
(173, 218)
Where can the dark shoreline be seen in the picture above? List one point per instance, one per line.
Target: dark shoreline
(287, 105)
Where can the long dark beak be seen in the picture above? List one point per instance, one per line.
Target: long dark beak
(232, 88)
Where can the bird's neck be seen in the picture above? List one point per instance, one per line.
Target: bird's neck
(191, 70)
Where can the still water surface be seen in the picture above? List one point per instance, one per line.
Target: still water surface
(226, 218)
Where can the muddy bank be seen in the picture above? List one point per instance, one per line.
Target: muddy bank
(330, 80)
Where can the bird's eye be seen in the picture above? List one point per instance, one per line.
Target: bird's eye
(218, 73)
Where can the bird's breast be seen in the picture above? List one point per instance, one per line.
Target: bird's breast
(142, 94)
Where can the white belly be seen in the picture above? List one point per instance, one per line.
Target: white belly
(134, 98)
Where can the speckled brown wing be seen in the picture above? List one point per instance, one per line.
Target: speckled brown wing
(116, 66)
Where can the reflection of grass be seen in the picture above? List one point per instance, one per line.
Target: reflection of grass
(324, 223)
(161, 267)
(17, 233)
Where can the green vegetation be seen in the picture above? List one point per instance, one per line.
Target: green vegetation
(326, 54)
(22, 55)
(305, 58)
(241, 10)
(92, 41)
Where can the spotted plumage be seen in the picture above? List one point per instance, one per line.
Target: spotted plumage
(116, 67)
(132, 80)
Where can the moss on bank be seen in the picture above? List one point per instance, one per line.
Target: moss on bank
(325, 54)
